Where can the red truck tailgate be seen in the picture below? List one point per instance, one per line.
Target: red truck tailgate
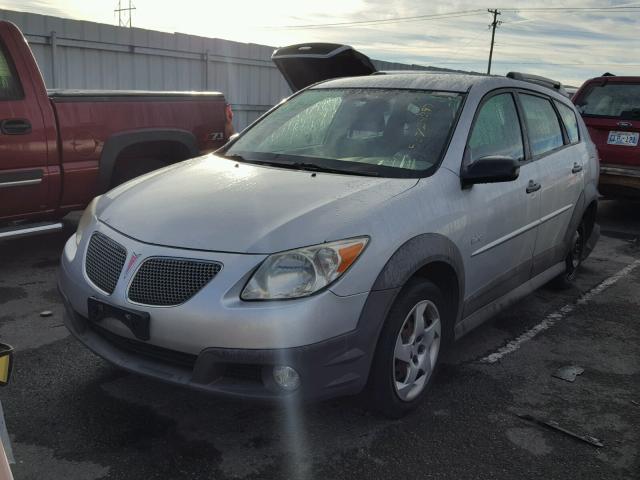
(601, 129)
(610, 107)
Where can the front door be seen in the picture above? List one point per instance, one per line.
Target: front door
(23, 147)
(502, 217)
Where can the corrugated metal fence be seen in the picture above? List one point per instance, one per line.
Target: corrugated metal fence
(87, 55)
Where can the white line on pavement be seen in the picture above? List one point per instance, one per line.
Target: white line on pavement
(551, 319)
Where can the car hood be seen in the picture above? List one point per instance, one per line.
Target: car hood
(212, 203)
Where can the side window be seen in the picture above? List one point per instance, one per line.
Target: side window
(9, 85)
(570, 122)
(543, 125)
(497, 130)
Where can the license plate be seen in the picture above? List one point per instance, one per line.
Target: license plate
(137, 322)
(628, 139)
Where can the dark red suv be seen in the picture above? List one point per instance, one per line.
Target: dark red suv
(610, 106)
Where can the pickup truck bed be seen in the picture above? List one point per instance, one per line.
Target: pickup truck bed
(92, 147)
(60, 148)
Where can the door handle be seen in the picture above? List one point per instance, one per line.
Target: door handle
(15, 126)
(576, 168)
(533, 186)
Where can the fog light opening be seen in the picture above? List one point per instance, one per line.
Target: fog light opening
(286, 377)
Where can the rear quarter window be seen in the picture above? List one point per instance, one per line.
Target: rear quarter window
(543, 125)
(570, 122)
(618, 100)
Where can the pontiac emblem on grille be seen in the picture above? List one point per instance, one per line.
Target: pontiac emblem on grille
(132, 262)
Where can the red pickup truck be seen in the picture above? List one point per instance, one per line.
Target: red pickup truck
(59, 149)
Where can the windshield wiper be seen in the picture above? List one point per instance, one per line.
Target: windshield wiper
(278, 161)
(319, 168)
(240, 158)
(234, 156)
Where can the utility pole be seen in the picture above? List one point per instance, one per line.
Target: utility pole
(124, 19)
(493, 27)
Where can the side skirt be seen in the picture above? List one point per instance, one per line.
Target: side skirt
(480, 316)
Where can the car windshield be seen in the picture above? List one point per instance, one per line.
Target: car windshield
(620, 100)
(386, 132)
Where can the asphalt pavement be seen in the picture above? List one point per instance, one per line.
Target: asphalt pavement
(70, 415)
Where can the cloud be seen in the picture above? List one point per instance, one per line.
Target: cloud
(44, 7)
(568, 46)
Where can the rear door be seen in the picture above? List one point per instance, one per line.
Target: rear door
(611, 110)
(560, 161)
(305, 64)
(23, 146)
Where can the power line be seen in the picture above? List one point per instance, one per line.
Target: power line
(416, 18)
(572, 9)
(493, 26)
(464, 13)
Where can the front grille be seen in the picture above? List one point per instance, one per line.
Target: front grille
(164, 281)
(154, 352)
(104, 262)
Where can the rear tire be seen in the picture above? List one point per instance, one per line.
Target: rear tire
(572, 261)
(409, 347)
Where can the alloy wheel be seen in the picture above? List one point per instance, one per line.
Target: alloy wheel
(416, 351)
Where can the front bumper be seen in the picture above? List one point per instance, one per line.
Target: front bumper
(218, 344)
(619, 181)
(332, 368)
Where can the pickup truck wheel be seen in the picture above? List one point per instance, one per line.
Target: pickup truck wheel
(133, 168)
(573, 260)
(408, 351)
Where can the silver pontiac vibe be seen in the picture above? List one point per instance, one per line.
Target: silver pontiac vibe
(341, 242)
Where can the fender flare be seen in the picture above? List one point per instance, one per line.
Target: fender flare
(116, 143)
(587, 197)
(407, 260)
(414, 254)
(576, 218)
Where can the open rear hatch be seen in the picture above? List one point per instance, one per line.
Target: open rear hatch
(307, 63)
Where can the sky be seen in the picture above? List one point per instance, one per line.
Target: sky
(569, 46)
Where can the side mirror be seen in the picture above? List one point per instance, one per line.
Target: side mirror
(490, 170)
(6, 363)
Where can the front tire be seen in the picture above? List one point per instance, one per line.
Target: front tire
(410, 345)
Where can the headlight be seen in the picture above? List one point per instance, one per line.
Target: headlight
(86, 219)
(301, 272)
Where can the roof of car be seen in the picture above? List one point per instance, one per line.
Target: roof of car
(443, 81)
(413, 79)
